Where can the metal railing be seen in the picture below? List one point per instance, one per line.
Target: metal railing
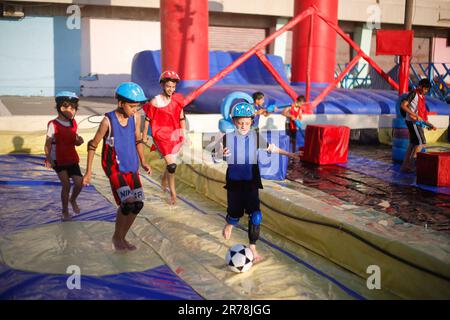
(438, 74)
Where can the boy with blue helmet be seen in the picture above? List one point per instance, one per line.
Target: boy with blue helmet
(243, 180)
(61, 155)
(121, 154)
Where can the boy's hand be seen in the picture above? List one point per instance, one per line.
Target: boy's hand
(87, 178)
(48, 163)
(226, 151)
(146, 168)
(79, 141)
(296, 155)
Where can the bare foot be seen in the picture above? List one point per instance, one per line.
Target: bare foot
(256, 257)
(406, 169)
(226, 232)
(129, 246)
(66, 216)
(75, 207)
(173, 198)
(163, 184)
(119, 245)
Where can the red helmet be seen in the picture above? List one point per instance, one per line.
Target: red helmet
(169, 75)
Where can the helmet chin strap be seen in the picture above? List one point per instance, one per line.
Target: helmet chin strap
(66, 117)
(121, 111)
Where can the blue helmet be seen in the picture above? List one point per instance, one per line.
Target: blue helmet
(130, 91)
(66, 96)
(243, 110)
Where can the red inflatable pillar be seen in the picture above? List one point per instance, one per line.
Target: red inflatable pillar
(323, 44)
(184, 38)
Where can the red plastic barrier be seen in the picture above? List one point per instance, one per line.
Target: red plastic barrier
(326, 144)
(395, 42)
(433, 168)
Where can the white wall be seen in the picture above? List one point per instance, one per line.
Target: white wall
(107, 50)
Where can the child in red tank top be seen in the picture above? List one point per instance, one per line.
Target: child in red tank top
(61, 139)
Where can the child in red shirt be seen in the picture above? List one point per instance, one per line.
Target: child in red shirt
(61, 139)
(164, 113)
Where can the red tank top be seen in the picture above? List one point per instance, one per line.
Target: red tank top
(64, 142)
(165, 123)
(421, 107)
(295, 113)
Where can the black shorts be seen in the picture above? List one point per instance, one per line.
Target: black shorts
(242, 201)
(72, 169)
(416, 135)
(290, 133)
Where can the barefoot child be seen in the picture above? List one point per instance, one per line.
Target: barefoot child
(243, 179)
(166, 118)
(60, 150)
(413, 109)
(121, 154)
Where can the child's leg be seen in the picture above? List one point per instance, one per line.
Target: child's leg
(171, 167)
(77, 186)
(128, 223)
(406, 165)
(65, 189)
(235, 211)
(417, 149)
(254, 222)
(117, 238)
(164, 181)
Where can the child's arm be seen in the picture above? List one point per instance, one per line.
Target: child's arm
(274, 149)
(92, 146)
(286, 111)
(183, 127)
(140, 147)
(144, 132)
(79, 140)
(48, 151)
(404, 107)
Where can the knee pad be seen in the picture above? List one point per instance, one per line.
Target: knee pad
(171, 167)
(253, 232)
(231, 220)
(138, 205)
(256, 218)
(127, 207)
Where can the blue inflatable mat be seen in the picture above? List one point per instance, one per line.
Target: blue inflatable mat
(30, 197)
(158, 283)
(252, 76)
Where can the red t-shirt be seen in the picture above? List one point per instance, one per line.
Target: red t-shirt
(165, 123)
(421, 107)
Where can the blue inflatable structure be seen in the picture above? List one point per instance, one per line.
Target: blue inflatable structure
(252, 76)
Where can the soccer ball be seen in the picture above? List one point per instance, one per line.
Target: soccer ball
(239, 258)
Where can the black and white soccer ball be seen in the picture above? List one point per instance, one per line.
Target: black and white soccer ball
(239, 258)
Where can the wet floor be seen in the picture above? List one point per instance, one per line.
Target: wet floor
(409, 203)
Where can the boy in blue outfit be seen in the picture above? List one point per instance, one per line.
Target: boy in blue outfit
(243, 180)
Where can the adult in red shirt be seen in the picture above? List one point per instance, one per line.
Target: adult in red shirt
(164, 113)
